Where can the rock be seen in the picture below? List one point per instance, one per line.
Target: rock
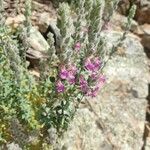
(146, 36)
(147, 147)
(35, 73)
(44, 19)
(144, 32)
(116, 118)
(146, 28)
(38, 45)
(42, 12)
(119, 21)
(143, 9)
(15, 21)
(143, 12)
(13, 146)
(147, 137)
(38, 48)
(146, 41)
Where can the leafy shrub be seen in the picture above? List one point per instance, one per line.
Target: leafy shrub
(74, 72)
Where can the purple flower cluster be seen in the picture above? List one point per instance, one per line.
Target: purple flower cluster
(63, 73)
(99, 84)
(67, 73)
(89, 84)
(83, 84)
(93, 66)
(92, 91)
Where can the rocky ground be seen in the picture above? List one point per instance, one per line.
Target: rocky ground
(143, 31)
(119, 119)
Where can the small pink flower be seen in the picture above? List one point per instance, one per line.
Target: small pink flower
(93, 92)
(92, 64)
(94, 76)
(72, 69)
(82, 80)
(89, 65)
(83, 84)
(77, 46)
(97, 63)
(97, 77)
(71, 78)
(63, 73)
(101, 80)
(60, 87)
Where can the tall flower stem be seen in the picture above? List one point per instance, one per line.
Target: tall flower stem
(1, 13)
(28, 7)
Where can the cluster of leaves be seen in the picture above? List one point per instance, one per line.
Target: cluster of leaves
(57, 2)
(74, 71)
(15, 85)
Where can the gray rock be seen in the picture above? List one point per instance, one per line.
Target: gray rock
(147, 147)
(142, 12)
(144, 33)
(37, 41)
(119, 21)
(44, 20)
(146, 36)
(38, 45)
(13, 146)
(115, 119)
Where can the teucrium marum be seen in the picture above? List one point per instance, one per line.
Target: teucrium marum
(70, 72)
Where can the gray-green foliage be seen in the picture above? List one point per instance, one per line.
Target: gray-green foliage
(15, 84)
(87, 23)
(89, 18)
(57, 2)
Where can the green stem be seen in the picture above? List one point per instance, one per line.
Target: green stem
(28, 7)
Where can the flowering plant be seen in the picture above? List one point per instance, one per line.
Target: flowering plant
(81, 54)
(72, 71)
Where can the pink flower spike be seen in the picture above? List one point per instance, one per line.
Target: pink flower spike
(63, 73)
(60, 87)
(77, 46)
